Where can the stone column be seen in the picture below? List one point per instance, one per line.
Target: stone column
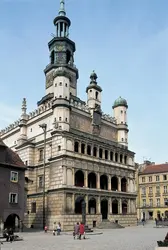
(129, 206)
(109, 182)
(110, 205)
(98, 206)
(73, 203)
(86, 179)
(79, 149)
(86, 200)
(64, 175)
(114, 156)
(98, 180)
(73, 177)
(128, 185)
(119, 183)
(120, 206)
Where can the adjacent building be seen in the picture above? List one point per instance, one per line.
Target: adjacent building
(153, 191)
(85, 151)
(12, 193)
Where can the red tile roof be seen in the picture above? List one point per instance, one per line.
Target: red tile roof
(152, 169)
(9, 157)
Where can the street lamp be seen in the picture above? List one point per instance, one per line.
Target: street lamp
(44, 127)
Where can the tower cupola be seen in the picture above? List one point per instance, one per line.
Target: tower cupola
(62, 22)
(93, 92)
(120, 107)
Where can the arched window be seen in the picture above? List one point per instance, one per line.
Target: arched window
(95, 151)
(125, 159)
(121, 158)
(106, 154)
(88, 149)
(52, 56)
(116, 157)
(82, 148)
(76, 147)
(111, 156)
(96, 95)
(68, 56)
(100, 153)
(79, 178)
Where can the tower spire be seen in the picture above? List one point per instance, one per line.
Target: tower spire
(62, 11)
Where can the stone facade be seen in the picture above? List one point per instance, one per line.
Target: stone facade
(86, 151)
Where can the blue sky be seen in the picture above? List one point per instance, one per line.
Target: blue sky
(124, 41)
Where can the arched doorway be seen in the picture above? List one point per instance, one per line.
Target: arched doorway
(12, 221)
(92, 206)
(124, 207)
(166, 214)
(104, 209)
(79, 178)
(114, 183)
(114, 207)
(123, 184)
(103, 182)
(92, 180)
(78, 205)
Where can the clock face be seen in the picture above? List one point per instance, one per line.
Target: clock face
(60, 48)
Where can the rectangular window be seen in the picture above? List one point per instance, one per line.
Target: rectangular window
(165, 189)
(150, 202)
(165, 177)
(144, 202)
(157, 189)
(158, 202)
(150, 190)
(165, 202)
(13, 198)
(41, 154)
(157, 178)
(150, 178)
(33, 207)
(144, 191)
(14, 176)
(40, 181)
(143, 179)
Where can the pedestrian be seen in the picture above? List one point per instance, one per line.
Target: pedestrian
(81, 230)
(54, 228)
(11, 235)
(76, 230)
(58, 228)
(45, 229)
(156, 221)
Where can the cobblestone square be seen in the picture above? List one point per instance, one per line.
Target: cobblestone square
(133, 238)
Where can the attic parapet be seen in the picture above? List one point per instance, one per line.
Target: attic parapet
(79, 105)
(41, 109)
(109, 118)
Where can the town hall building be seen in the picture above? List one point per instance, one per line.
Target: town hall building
(72, 150)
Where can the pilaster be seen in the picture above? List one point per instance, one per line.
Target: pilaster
(98, 205)
(119, 183)
(98, 180)
(109, 182)
(86, 178)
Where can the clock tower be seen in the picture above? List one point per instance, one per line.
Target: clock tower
(61, 68)
(61, 73)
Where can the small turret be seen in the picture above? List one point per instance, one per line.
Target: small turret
(23, 123)
(120, 114)
(93, 93)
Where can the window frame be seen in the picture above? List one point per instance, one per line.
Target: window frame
(40, 176)
(17, 174)
(10, 196)
(33, 208)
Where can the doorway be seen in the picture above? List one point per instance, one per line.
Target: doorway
(104, 209)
